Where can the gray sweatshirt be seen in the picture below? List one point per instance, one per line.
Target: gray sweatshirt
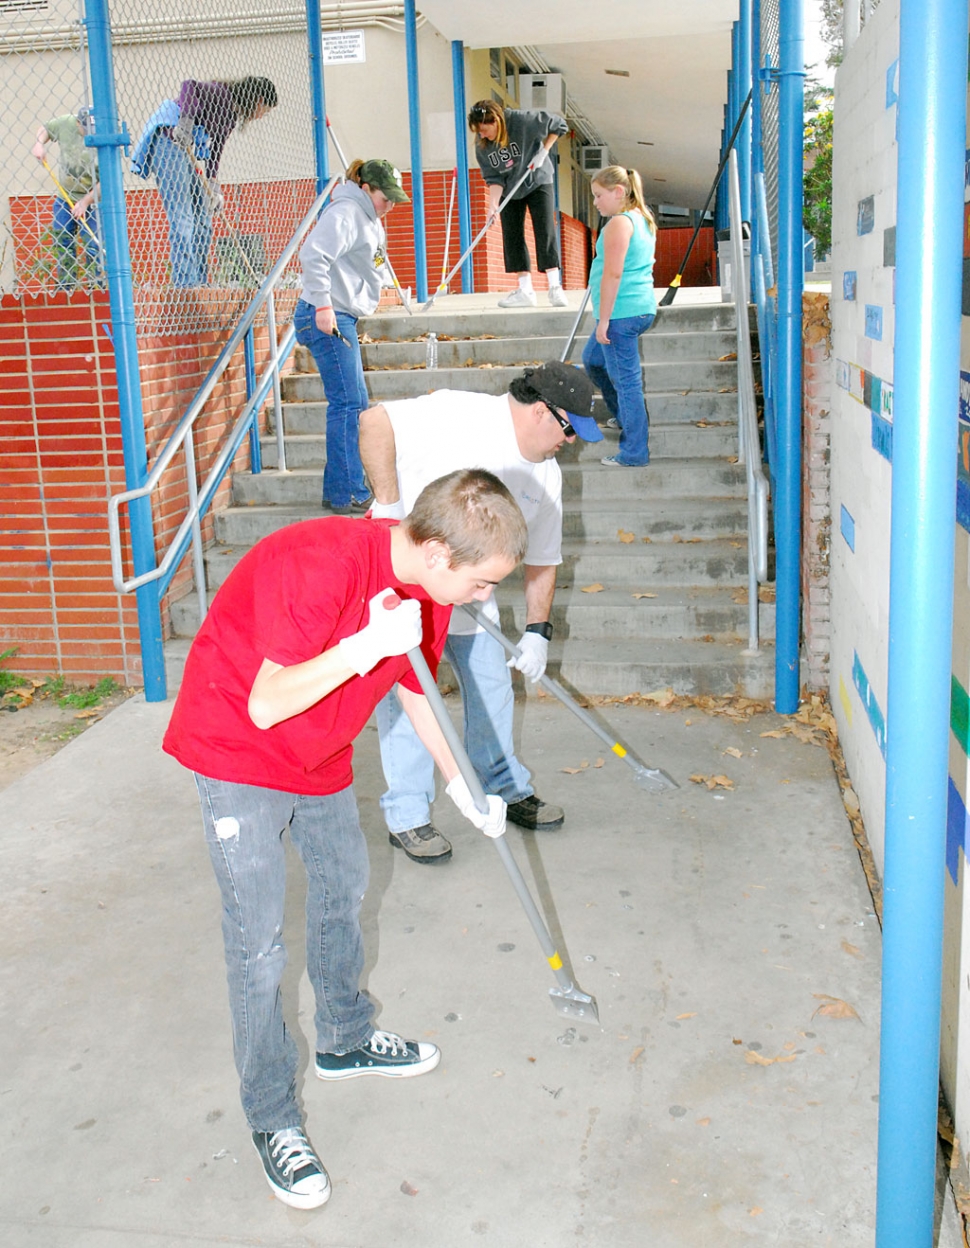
(527, 128)
(343, 258)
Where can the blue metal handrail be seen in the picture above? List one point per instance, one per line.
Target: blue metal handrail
(200, 498)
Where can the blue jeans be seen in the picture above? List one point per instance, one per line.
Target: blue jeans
(342, 374)
(488, 704)
(244, 828)
(616, 370)
(64, 233)
(188, 210)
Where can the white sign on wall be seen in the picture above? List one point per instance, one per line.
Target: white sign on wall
(343, 47)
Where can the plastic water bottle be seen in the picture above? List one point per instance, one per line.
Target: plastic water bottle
(431, 353)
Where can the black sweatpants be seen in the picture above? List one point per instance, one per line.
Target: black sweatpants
(541, 203)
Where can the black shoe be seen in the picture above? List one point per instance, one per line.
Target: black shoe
(293, 1170)
(337, 509)
(531, 813)
(424, 844)
(384, 1054)
(362, 504)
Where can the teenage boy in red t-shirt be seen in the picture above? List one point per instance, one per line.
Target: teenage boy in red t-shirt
(293, 657)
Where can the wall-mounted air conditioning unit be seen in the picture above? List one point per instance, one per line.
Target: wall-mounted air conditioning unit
(594, 158)
(546, 91)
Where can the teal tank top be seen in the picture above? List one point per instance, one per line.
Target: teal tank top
(636, 296)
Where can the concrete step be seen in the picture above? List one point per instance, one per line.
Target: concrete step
(613, 668)
(680, 376)
(601, 521)
(583, 480)
(655, 347)
(666, 407)
(685, 441)
(541, 321)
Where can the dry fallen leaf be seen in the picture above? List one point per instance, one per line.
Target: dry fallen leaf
(574, 771)
(636, 1055)
(595, 588)
(755, 1211)
(733, 751)
(703, 1122)
(719, 782)
(626, 536)
(833, 1007)
(853, 951)
(90, 714)
(644, 595)
(600, 762)
(648, 540)
(692, 1014)
(756, 1059)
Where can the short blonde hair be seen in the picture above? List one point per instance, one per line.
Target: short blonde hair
(629, 179)
(473, 514)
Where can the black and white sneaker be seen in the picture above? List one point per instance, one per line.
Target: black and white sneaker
(384, 1054)
(292, 1168)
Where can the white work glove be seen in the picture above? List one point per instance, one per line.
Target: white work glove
(183, 134)
(388, 632)
(540, 157)
(387, 511)
(493, 823)
(532, 657)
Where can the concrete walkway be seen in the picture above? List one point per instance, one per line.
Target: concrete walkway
(713, 1105)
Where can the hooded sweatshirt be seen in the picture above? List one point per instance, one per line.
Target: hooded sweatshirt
(527, 128)
(343, 257)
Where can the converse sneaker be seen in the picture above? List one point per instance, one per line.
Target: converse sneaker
(614, 461)
(383, 1054)
(534, 814)
(424, 844)
(292, 1168)
(557, 297)
(519, 299)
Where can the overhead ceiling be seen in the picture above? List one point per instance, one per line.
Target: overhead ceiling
(665, 118)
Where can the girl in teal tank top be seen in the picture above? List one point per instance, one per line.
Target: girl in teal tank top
(624, 305)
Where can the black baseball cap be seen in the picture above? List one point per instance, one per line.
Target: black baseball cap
(568, 388)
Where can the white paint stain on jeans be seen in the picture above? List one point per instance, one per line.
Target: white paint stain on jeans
(227, 828)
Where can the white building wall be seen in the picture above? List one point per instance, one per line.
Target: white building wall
(863, 228)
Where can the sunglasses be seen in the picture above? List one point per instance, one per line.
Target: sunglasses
(561, 420)
(481, 114)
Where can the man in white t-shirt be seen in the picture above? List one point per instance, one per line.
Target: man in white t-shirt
(404, 445)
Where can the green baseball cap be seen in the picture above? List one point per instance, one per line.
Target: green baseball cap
(382, 176)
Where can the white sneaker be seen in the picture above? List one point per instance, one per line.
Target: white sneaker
(519, 299)
(557, 297)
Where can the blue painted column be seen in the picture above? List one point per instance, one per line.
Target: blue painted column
(744, 86)
(931, 134)
(318, 100)
(108, 139)
(461, 160)
(788, 468)
(417, 166)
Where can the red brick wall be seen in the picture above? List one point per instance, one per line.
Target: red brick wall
(61, 434)
(816, 488)
(671, 245)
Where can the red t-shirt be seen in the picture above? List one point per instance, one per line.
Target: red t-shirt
(294, 595)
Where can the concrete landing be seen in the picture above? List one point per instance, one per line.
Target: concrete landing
(713, 1105)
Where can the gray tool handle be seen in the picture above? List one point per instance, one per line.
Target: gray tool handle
(440, 711)
(567, 349)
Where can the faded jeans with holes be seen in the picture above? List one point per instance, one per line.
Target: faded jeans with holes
(244, 828)
(488, 702)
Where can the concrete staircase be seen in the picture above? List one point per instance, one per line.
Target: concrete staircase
(666, 544)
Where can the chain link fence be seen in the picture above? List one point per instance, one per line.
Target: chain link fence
(770, 40)
(221, 169)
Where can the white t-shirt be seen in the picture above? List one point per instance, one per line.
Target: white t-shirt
(440, 432)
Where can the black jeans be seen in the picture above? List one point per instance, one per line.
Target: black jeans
(542, 209)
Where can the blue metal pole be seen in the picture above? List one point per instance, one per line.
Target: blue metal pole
(249, 357)
(788, 410)
(932, 87)
(417, 167)
(318, 102)
(108, 138)
(744, 86)
(461, 160)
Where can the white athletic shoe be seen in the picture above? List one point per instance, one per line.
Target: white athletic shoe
(519, 299)
(557, 297)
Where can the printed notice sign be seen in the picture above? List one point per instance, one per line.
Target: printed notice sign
(343, 47)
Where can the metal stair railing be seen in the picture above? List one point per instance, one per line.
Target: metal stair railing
(200, 498)
(749, 445)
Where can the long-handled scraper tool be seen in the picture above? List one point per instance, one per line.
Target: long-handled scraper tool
(651, 778)
(567, 998)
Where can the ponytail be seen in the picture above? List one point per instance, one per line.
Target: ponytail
(629, 179)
